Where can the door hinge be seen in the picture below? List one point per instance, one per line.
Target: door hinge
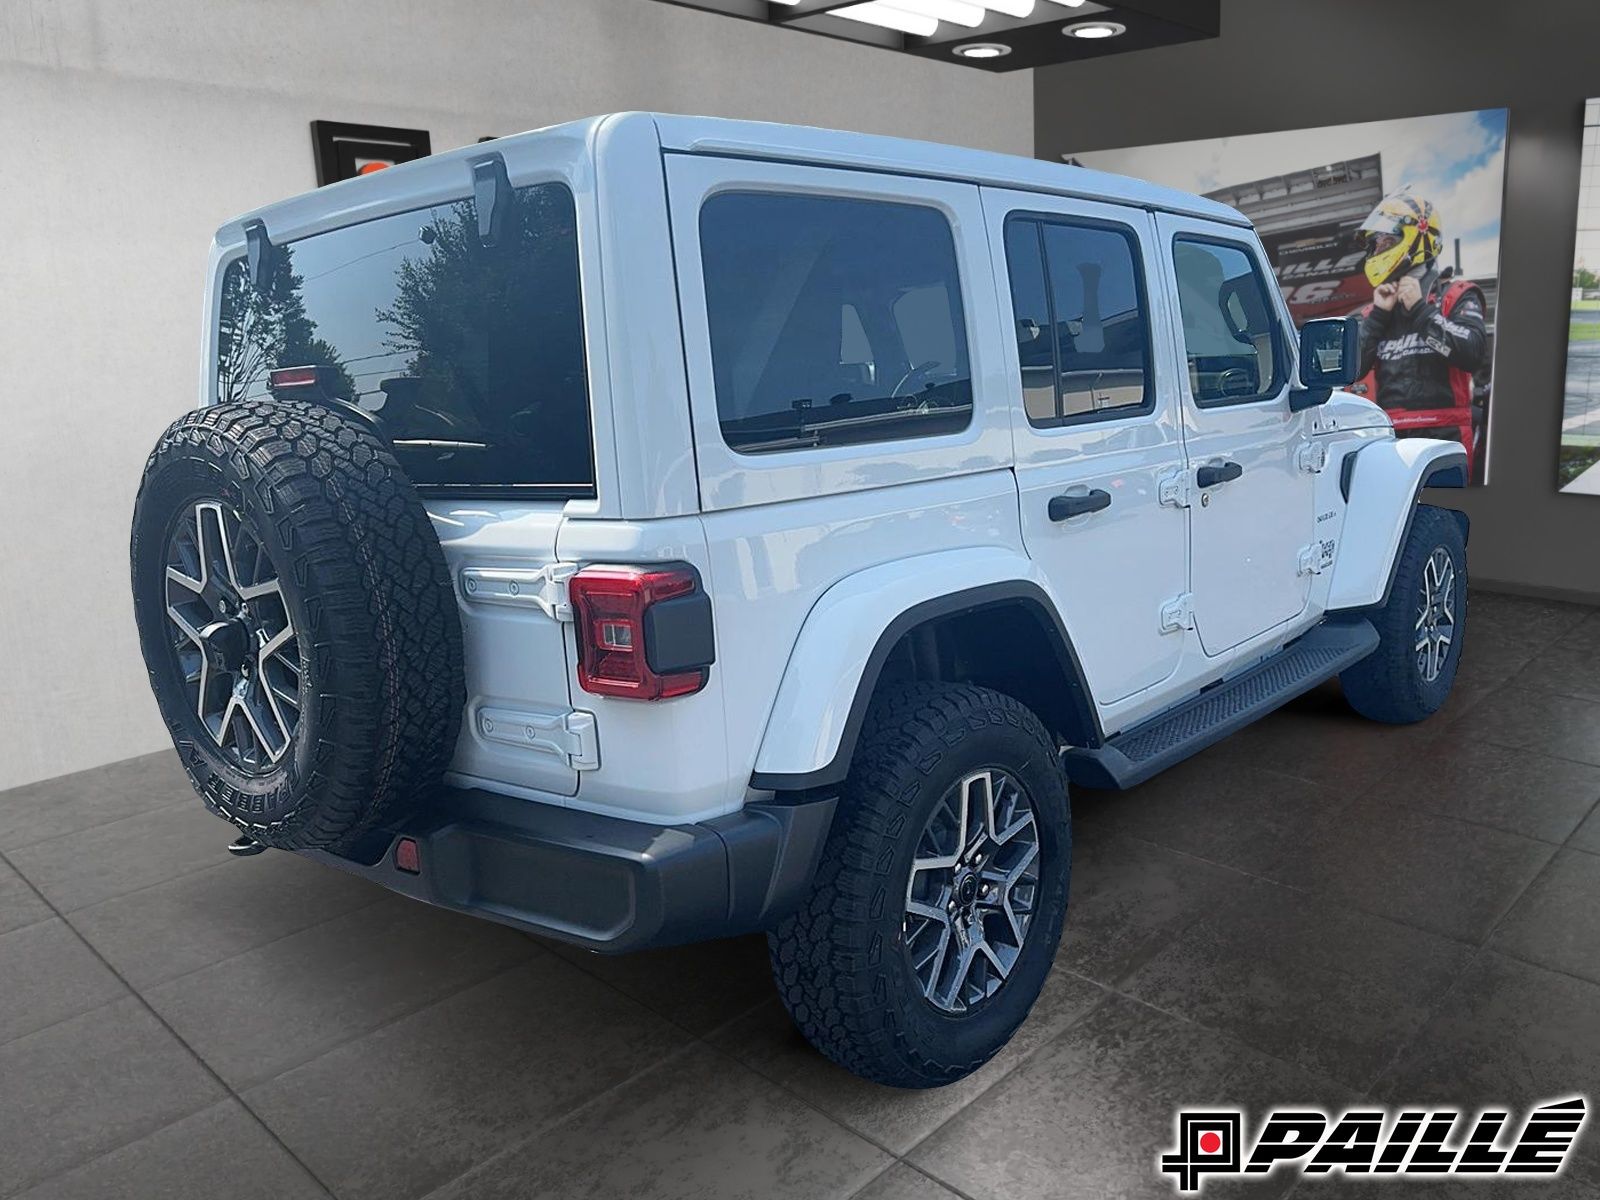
(544, 588)
(1312, 456)
(1178, 613)
(1173, 488)
(1316, 558)
(570, 736)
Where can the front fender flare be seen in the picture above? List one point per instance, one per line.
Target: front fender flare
(834, 666)
(1384, 486)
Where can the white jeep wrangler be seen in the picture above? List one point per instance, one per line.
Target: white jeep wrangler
(657, 528)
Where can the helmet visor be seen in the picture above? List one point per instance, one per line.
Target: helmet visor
(1386, 256)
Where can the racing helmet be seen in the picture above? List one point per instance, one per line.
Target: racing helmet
(1401, 233)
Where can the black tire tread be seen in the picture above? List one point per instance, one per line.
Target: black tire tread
(1386, 686)
(385, 634)
(826, 956)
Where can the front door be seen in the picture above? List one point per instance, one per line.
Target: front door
(1249, 486)
(1096, 427)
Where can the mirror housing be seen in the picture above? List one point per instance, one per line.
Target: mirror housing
(1330, 357)
(1330, 352)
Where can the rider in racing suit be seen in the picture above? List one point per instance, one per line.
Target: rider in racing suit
(1425, 331)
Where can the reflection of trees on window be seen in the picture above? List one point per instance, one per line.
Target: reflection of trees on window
(493, 332)
(267, 327)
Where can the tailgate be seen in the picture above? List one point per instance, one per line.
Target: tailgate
(519, 728)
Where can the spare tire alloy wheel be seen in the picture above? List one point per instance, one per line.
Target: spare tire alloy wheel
(235, 642)
(298, 621)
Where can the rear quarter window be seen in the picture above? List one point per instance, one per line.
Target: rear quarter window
(833, 321)
(469, 358)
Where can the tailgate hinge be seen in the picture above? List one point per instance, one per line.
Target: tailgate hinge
(568, 735)
(544, 588)
(1173, 488)
(1178, 614)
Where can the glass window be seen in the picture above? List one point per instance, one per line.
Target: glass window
(468, 358)
(833, 321)
(1230, 330)
(1077, 293)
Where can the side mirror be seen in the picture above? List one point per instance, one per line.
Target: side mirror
(1330, 357)
(1330, 352)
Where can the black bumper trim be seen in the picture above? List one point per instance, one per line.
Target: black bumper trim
(601, 882)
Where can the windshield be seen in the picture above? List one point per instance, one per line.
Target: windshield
(468, 357)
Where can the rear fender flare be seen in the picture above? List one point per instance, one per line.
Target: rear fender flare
(849, 633)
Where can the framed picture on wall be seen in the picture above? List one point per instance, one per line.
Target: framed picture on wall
(1578, 472)
(344, 151)
(1397, 222)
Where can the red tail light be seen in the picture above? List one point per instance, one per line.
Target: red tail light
(643, 632)
(286, 379)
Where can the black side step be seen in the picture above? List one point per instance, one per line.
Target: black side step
(1136, 754)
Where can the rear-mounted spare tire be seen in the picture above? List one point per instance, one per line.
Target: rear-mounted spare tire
(297, 619)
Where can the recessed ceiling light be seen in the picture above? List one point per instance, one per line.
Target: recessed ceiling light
(982, 50)
(1095, 29)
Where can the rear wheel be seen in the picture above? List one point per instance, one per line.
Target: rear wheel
(936, 912)
(1409, 676)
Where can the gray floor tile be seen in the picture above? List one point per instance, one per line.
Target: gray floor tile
(1214, 808)
(19, 904)
(1587, 836)
(416, 1103)
(698, 987)
(767, 1041)
(1448, 876)
(84, 868)
(1090, 1114)
(85, 799)
(258, 1014)
(85, 1086)
(1526, 619)
(47, 974)
(1508, 1033)
(1543, 722)
(172, 928)
(1556, 924)
(1129, 899)
(220, 1151)
(904, 1182)
(698, 1127)
(1332, 990)
(1570, 666)
(1509, 789)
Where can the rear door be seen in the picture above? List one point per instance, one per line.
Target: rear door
(467, 354)
(1249, 487)
(1096, 428)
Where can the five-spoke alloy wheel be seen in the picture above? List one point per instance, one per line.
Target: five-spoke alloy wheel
(235, 641)
(970, 897)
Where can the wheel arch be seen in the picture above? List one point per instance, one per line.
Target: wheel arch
(1384, 488)
(1001, 629)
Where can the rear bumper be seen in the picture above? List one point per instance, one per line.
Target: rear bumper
(600, 882)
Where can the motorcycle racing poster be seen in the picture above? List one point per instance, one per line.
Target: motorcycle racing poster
(1579, 470)
(1397, 222)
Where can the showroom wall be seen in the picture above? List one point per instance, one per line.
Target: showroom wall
(1283, 66)
(130, 129)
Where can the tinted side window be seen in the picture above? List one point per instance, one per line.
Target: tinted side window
(1230, 332)
(1078, 295)
(833, 321)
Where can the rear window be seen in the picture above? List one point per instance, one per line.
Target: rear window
(833, 321)
(468, 357)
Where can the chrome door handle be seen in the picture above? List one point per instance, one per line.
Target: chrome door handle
(1214, 473)
(1064, 508)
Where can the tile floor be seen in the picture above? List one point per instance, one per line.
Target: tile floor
(1319, 910)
